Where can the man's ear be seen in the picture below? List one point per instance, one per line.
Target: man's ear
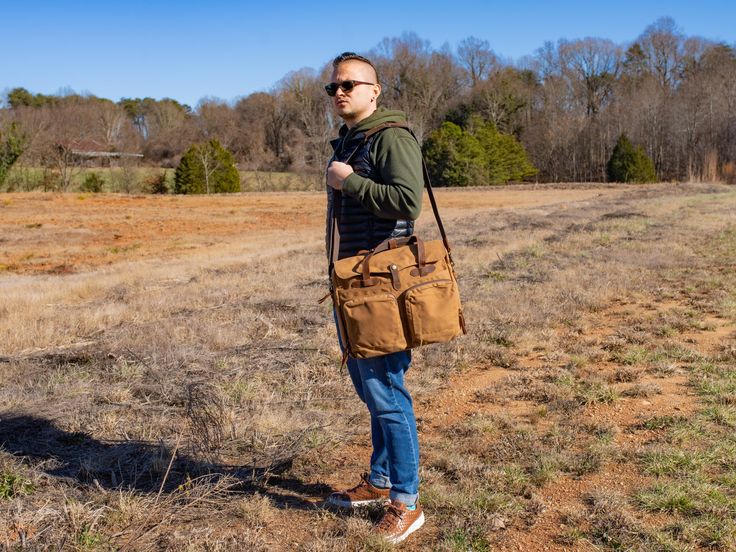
(377, 90)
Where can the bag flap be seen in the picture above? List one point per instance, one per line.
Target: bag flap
(403, 257)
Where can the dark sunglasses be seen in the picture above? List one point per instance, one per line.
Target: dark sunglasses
(345, 86)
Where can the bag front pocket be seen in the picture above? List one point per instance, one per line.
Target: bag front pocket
(433, 312)
(374, 326)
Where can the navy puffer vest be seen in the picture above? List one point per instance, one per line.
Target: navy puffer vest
(360, 229)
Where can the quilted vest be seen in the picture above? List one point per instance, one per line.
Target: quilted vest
(360, 229)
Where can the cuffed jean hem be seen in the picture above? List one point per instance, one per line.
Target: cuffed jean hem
(404, 498)
(380, 481)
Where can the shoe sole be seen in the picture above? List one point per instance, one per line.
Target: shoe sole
(413, 527)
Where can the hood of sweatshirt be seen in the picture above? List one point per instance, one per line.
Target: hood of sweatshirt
(379, 116)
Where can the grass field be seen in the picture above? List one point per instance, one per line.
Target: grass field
(139, 179)
(169, 382)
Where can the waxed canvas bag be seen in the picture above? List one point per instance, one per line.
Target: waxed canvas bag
(400, 295)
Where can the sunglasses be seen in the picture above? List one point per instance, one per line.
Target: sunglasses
(345, 86)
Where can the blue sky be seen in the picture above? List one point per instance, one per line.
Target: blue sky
(187, 50)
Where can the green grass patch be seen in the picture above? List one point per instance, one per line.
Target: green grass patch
(673, 462)
(498, 336)
(584, 392)
(124, 249)
(496, 276)
(696, 474)
(88, 538)
(593, 392)
(633, 356)
(464, 539)
(690, 498)
(12, 485)
(663, 422)
(722, 454)
(478, 502)
(715, 384)
(712, 532)
(724, 415)
(641, 390)
(545, 468)
(676, 351)
(638, 355)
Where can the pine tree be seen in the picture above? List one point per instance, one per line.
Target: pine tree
(629, 163)
(643, 170)
(205, 169)
(454, 157)
(476, 156)
(506, 158)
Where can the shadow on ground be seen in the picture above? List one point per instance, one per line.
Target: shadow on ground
(79, 459)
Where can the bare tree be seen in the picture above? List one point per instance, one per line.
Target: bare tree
(505, 98)
(663, 46)
(417, 80)
(303, 96)
(210, 164)
(215, 119)
(251, 115)
(591, 67)
(170, 129)
(112, 122)
(476, 58)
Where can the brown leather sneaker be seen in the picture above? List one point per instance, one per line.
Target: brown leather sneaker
(398, 522)
(363, 494)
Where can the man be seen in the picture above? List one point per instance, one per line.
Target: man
(380, 185)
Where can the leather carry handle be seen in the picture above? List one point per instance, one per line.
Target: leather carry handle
(392, 243)
(337, 196)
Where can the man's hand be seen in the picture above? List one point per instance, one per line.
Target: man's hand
(337, 172)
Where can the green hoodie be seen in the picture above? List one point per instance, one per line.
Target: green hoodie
(398, 160)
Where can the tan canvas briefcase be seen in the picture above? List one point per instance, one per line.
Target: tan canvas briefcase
(403, 294)
(400, 295)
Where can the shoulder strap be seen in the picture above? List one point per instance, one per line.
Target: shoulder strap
(336, 195)
(427, 182)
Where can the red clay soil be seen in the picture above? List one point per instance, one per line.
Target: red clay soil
(70, 232)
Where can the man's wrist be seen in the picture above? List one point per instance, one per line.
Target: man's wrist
(351, 184)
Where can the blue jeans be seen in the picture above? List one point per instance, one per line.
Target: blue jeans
(379, 382)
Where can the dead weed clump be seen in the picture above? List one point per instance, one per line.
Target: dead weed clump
(613, 524)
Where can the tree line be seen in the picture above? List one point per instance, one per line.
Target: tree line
(558, 113)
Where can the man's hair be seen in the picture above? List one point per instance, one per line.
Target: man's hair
(352, 56)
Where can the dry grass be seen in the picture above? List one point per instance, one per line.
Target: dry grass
(138, 179)
(195, 401)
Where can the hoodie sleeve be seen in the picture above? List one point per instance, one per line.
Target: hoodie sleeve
(398, 160)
